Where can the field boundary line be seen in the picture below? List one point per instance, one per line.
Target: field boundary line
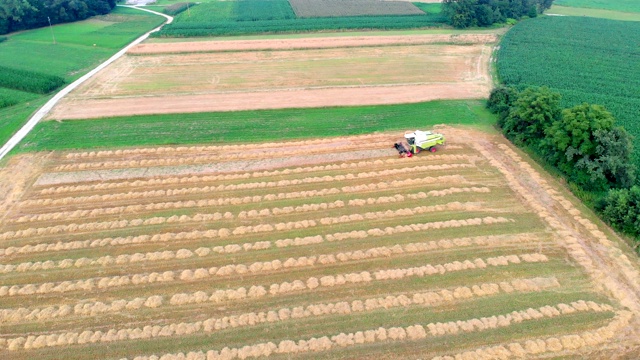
(199, 274)
(91, 308)
(90, 227)
(136, 195)
(46, 108)
(222, 233)
(82, 176)
(395, 334)
(187, 179)
(330, 281)
(244, 214)
(160, 149)
(547, 345)
(424, 299)
(209, 234)
(323, 43)
(612, 250)
(197, 160)
(200, 148)
(430, 169)
(201, 252)
(622, 285)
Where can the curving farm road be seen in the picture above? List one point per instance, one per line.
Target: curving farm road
(44, 110)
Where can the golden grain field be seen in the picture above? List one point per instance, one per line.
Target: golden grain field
(326, 248)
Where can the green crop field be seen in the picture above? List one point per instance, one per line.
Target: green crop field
(29, 81)
(238, 11)
(585, 59)
(10, 97)
(617, 5)
(232, 126)
(277, 16)
(32, 63)
(74, 52)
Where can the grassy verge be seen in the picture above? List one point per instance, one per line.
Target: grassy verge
(618, 5)
(252, 126)
(596, 13)
(13, 117)
(79, 47)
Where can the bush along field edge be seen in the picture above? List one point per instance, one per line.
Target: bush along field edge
(582, 144)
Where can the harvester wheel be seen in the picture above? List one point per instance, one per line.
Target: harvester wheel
(433, 149)
(417, 150)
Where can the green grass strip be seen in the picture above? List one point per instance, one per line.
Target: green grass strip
(251, 126)
(30, 62)
(617, 5)
(596, 13)
(12, 117)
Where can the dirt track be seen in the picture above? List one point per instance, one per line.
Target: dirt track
(309, 43)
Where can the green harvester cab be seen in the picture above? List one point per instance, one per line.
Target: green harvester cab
(423, 140)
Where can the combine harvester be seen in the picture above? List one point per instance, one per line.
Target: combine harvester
(418, 141)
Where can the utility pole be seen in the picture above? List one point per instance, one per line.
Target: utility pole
(51, 27)
(188, 10)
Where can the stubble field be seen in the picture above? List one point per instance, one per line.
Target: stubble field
(327, 248)
(287, 73)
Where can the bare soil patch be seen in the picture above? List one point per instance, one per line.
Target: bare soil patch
(222, 72)
(313, 77)
(348, 96)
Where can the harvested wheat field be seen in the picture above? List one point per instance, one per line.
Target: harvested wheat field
(286, 73)
(327, 248)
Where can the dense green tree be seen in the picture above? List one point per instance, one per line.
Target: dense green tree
(534, 110)
(571, 136)
(500, 101)
(484, 15)
(27, 14)
(15, 10)
(621, 208)
(611, 166)
(544, 5)
(466, 13)
(461, 13)
(586, 146)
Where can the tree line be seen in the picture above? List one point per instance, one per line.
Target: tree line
(18, 15)
(469, 13)
(582, 142)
